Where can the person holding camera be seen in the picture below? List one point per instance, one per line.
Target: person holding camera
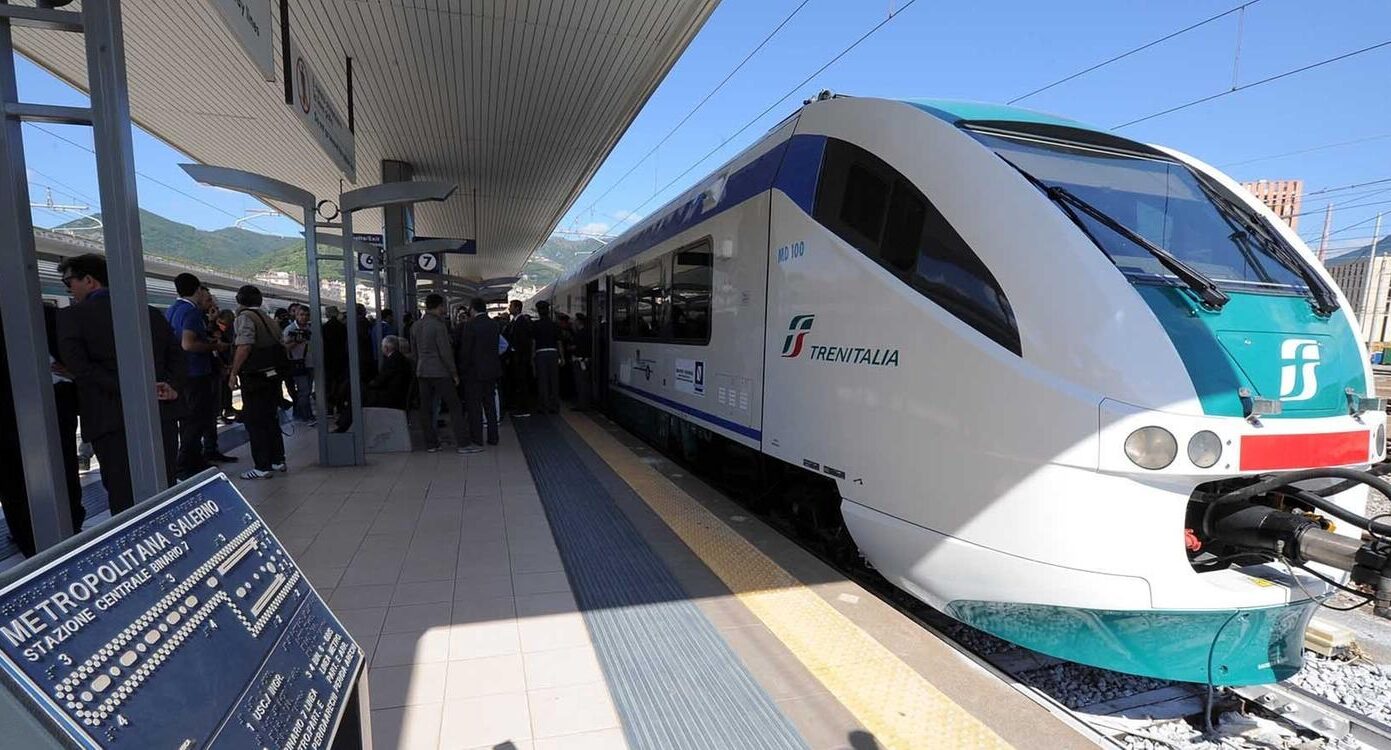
(296, 338)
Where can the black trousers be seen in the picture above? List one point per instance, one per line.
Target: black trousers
(260, 397)
(115, 464)
(14, 495)
(517, 383)
(200, 416)
(481, 406)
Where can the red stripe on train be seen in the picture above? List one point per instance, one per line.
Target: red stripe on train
(1263, 452)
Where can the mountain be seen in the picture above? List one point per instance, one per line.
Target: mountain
(292, 258)
(224, 249)
(556, 257)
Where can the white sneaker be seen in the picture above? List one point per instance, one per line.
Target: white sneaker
(470, 449)
(282, 468)
(435, 449)
(256, 474)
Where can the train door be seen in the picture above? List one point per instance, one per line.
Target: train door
(596, 309)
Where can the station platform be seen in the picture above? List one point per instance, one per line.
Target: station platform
(572, 589)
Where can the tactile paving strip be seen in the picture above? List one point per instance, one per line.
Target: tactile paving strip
(892, 700)
(675, 682)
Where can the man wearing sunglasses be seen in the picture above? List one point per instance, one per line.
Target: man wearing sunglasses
(88, 343)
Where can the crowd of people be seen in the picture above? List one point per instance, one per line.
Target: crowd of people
(471, 367)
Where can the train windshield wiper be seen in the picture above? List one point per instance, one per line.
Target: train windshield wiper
(1207, 290)
(1325, 301)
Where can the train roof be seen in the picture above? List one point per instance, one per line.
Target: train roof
(958, 112)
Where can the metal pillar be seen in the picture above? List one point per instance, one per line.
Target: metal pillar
(26, 340)
(385, 195)
(275, 190)
(398, 228)
(125, 262)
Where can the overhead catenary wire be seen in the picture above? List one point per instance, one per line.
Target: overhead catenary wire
(1307, 150)
(155, 180)
(634, 213)
(1128, 53)
(786, 19)
(1254, 84)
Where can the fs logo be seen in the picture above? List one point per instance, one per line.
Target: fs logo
(797, 333)
(1298, 381)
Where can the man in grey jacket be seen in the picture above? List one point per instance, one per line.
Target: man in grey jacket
(437, 375)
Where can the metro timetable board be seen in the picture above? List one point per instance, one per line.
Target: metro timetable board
(181, 625)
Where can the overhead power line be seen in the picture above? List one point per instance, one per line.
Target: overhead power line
(697, 107)
(633, 214)
(155, 180)
(1348, 187)
(1310, 149)
(1128, 53)
(1254, 84)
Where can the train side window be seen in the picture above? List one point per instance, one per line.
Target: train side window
(881, 213)
(624, 294)
(865, 202)
(648, 316)
(692, 278)
(903, 228)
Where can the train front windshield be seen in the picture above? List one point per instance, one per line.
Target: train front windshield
(1160, 200)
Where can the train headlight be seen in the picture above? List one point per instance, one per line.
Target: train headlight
(1204, 449)
(1151, 447)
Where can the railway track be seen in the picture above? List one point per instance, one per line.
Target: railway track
(1110, 707)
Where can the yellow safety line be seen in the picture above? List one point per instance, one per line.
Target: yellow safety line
(889, 698)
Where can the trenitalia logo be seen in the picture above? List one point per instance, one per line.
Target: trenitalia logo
(795, 344)
(1297, 378)
(797, 333)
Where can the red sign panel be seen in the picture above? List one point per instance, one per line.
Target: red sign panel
(1264, 452)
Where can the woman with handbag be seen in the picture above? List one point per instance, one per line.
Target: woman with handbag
(258, 366)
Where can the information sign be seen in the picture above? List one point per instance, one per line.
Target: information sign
(186, 625)
(250, 22)
(427, 262)
(319, 116)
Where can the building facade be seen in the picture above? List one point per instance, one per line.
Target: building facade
(1371, 307)
(1282, 196)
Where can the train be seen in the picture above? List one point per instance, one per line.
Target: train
(1080, 392)
(52, 246)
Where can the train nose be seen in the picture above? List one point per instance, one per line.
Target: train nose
(1291, 369)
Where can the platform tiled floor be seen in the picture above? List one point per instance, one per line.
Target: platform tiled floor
(443, 568)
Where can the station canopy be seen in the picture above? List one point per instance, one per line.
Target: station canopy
(518, 100)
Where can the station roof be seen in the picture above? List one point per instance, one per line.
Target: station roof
(521, 100)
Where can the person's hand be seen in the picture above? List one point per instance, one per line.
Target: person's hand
(232, 380)
(165, 392)
(57, 368)
(456, 380)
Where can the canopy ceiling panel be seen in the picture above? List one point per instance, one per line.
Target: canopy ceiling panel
(517, 101)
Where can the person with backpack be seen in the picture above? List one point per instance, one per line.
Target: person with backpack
(258, 365)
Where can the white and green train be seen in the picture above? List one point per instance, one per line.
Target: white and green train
(1056, 383)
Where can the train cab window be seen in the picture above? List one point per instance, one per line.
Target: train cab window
(876, 209)
(692, 278)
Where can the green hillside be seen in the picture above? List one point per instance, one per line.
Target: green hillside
(556, 257)
(224, 249)
(292, 258)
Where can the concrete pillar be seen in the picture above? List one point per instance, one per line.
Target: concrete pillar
(398, 228)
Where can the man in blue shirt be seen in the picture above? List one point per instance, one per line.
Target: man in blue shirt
(187, 317)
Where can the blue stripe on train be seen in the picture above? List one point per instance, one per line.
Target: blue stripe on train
(792, 166)
(718, 421)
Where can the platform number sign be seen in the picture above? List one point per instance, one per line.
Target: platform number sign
(427, 262)
(367, 262)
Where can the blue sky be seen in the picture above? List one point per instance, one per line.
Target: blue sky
(990, 51)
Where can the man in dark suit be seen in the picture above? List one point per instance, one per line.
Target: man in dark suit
(88, 345)
(480, 366)
(14, 494)
(391, 388)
